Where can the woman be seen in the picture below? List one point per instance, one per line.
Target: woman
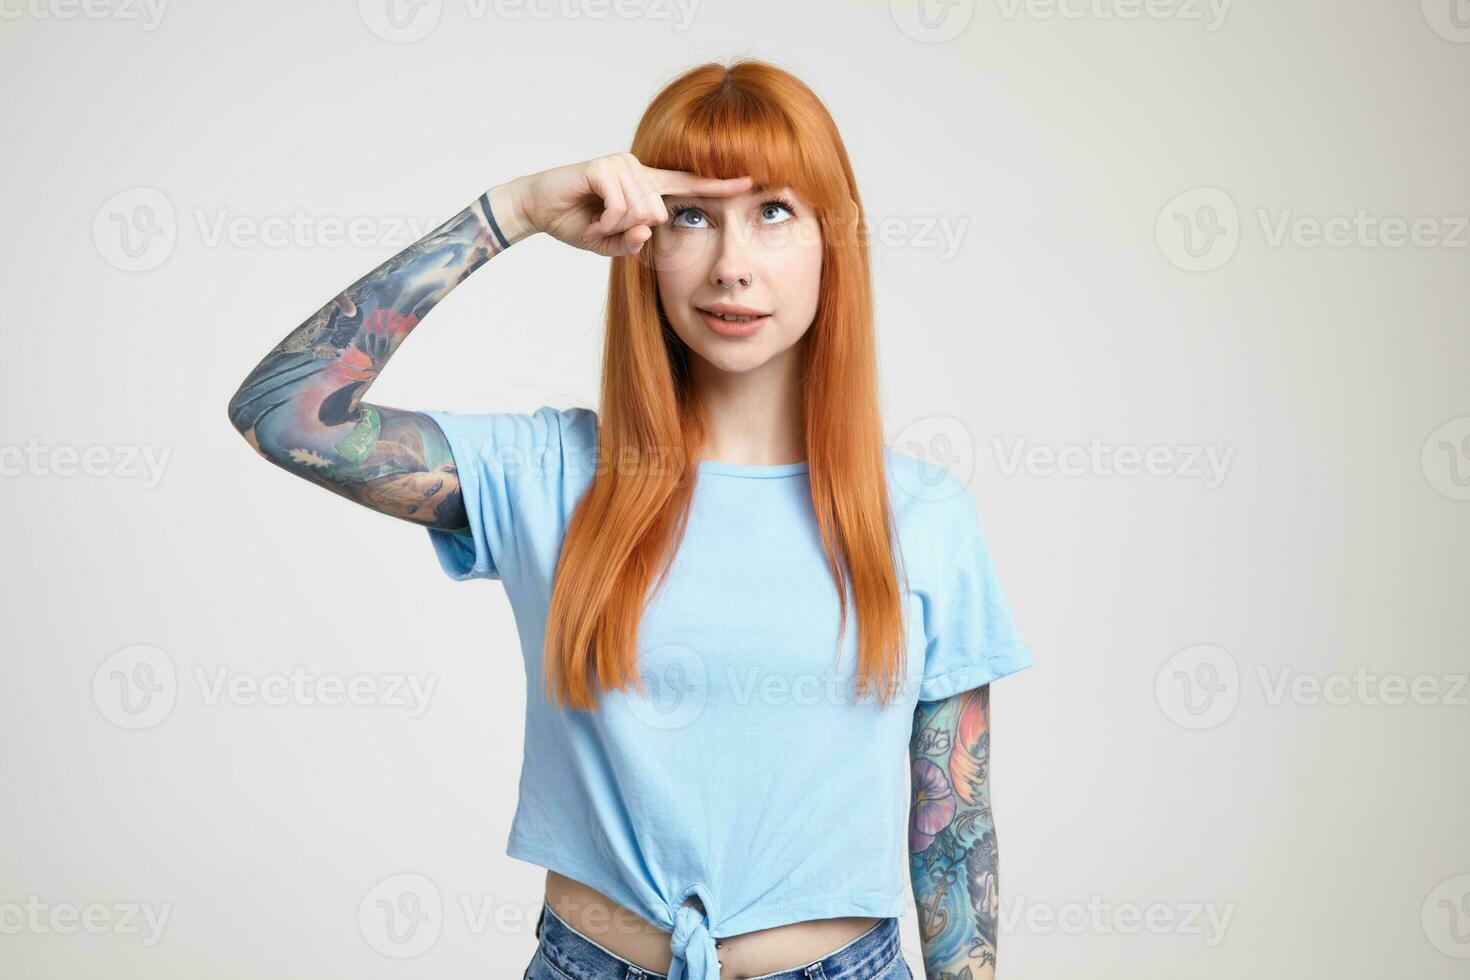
(708, 778)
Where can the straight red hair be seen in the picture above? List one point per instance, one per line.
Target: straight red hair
(749, 117)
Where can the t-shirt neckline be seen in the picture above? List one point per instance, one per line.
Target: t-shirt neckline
(715, 467)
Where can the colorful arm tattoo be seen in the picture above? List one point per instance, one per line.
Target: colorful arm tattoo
(302, 406)
(953, 860)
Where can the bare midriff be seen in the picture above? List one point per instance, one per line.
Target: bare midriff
(640, 942)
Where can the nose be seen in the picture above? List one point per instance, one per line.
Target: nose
(732, 264)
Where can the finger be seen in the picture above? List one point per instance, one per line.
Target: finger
(633, 204)
(632, 240)
(614, 222)
(614, 205)
(638, 206)
(683, 182)
(647, 204)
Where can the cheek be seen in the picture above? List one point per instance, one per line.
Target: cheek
(680, 261)
(796, 273)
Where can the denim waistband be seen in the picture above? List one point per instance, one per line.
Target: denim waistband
(860, 959)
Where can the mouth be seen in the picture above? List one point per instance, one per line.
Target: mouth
(729, 320)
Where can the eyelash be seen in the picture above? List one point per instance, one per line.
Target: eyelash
(779, 201)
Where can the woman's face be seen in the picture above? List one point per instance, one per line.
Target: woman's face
(758, 253)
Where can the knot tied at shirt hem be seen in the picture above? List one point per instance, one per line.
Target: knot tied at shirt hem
(693, 947)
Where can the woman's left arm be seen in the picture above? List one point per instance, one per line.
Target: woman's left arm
(953, 859)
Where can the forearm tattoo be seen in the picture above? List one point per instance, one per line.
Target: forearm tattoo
(953, 859)
(302, 406)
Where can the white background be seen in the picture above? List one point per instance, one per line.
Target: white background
(1056, 148)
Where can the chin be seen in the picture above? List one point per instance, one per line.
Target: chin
(728, 358)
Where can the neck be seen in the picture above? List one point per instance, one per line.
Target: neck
(752, 417)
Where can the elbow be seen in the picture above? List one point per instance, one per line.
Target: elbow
(234, 413)
(245, 414)
(241, 419)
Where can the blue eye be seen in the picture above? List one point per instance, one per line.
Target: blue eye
(769, 212)
(678, 212)
(780, 203)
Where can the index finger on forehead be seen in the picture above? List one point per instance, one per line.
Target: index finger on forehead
(683, 182)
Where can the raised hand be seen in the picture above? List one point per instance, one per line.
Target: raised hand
(610, 204)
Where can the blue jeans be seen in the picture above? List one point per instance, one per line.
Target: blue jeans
(566, 954)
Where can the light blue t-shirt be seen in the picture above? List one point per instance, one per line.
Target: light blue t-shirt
(746, 776)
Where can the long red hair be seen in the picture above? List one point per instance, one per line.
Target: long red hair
(749, 117)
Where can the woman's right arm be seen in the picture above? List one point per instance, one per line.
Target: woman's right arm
(302, 408)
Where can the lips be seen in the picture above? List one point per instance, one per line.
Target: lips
(732, 309)
(748, 320)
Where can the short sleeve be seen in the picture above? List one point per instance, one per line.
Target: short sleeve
(511, 468)
(972, 637)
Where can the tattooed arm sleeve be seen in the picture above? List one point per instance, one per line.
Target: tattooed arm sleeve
(302, 408)
(953, 860)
